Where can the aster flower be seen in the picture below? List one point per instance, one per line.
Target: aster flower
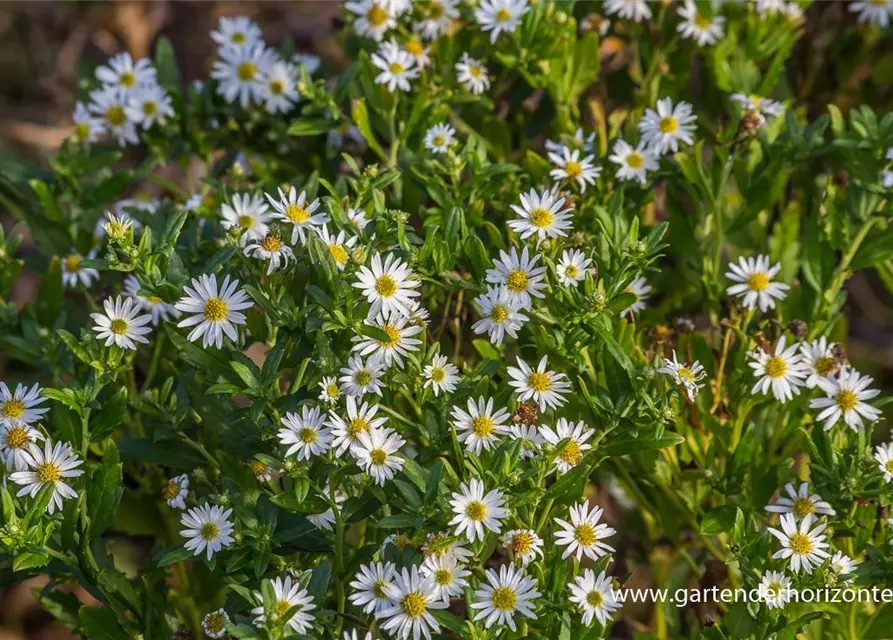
(520, 275)
(51, 465)
(375, 451)
(176, 491)
(524, 544)
(573, 267)
(687, 376)
(304, 433)
(87, 127)
(372, 586)
(474, 511)
(703, 29)
(396, 67)
(374, 18)
(481, 426)
(775, 589)
(339, 245)
(158, 309)
(361, 378)
(121, 325)
(213, 312)
(500, 16)
(15, 441)
(882, 453)
(595, 595)
(207, 528)
(803, 546)
(571, 168)
(121, 72)
(447, 576)
(472, 75)
(437, 16)
(818, 360)
(875, 12)
(149, 105)
(509, 592)
(781, 371)
(572, 453)
(271, 249)
(240, 73)
(635, 10)
(544, 387)
(666, 127)
(400, 344)
(755, 104)
(330, 391)
(359, 419)
(288, 595)
(20, 407)
(753, 278)
(801, 503)
(532, 440)
(294, 210)
(110, 103)
(412, 597)
(541, 214)
(214, 624)
(279, 87)
(238, 32)
(501, 314)
(634, 162)
(439, 138)
(387, 287)
(583, 535)
(640, 288)
(440, 375)
(247, 215)
(846, 395)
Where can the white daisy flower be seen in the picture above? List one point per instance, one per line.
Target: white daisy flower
(149, 105)
(237, 32)
(845, 400)
(357, 217)
(524, 544)
(595, 595)
(640, 288)
(375, 451)
(374, 17)
(775, 589)
(501, 313)
(330, 390)
(703, 29)
(818, 360)
(20, 407)
(308, 61)
(444, 544)
(480, 427)
(498, 16)
(801, 503)
(440, 375)
(843, 565)
(116, 227)
(533, 441)
(570, 167)
(417, 49)
(15, 441)
(214, 624)
(520, 275)
(262, 471)
(662, 130)
(294, 209)
(73, 274)
(761, 106)
(372, 584)
(408, 614)
(304, 433)
(581, 141)
(804, 546)
(753, 278)
(240, 73)
(475, 511)
(111, 103)
(439, 138)
(388, 287)
(576, 434)
(541, 214)
(325, 521)
(782, 371)
(360, 419)
(271, 249)
(882, 453)
(247, 215)
(352, 635)
(51, 465)
(472, 75)
(540, 385)
(401, 342)
(289, 595)
(573, 268)
(509, 592)
(176, 491)
(634, 162)
(361, 378)
(447, 576)
(769, 7)
(687, 376)
(213, 312)
(876, 12)
(635, 10)
(153, 305)
(437, 16)
(339, 246)
(121, 72)
(583, 535)
(121, 324)
(279, 90)
(397, 67)
(87, 127)
(207, 528)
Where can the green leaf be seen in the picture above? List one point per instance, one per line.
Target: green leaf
(49, 300)
(311, 126)
(360, 116)
(486, 349)
(573, 482)
(199, 358)
(627, 444)
(792, 629)
(398, 521)
(76, 346)
(246, 374)
(170, 453)
(101, 623)
(47, 200)
(720, 519)
(66, 397)
(104, 493)
(109, 416)
(166, 63)
(174, 555)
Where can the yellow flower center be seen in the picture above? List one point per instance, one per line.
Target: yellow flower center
(209, 201)
(356, 426)
(595, 598)
(385, 286)
(702, 22)
(12, 409)
(246, 221)
(685, 374)
(541, 217)
(118, 326)
(757, 282)
(272, 243)
(414, 47)
(476, 510)
(438, 141)
(504, 598)
(238, 37)
(154, 299)
(889, 466)
(307, 435)
(517, 281)
(437, 374)
(332, 390)
(379, 589)
(82, 131)
(522, 543)
(669, 124)
(48, 472)
(414, 605)
(774, 588)
(824, 365)
(115, 115)
(376, 16)
(503, 15)
(393, 334)
(215, 309)
(339, 255)
(214, 622)
(584, 534)
(282, 607)
(150, 108)
(378, 457)
(846, 400)
(803, 507)
(435, 10)
(573, 169)
(571, 271)
(257, 467)
(364, 377)
(171, 490)
(475, 71)
(539, 381)
(127, 79)
(635, 160)
(482, 426)
(776, 367)
(498, 314)
(277, 87)
(297, 214)
(801, 544)
(443, 577)
(210, 531)
(571, 454)
(16, 438)
(246, 71)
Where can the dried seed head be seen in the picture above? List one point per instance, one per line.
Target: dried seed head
(527, 413)
(685, 324)
(798, 328)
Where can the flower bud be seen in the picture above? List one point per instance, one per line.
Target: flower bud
(597, 301)
(359, 255)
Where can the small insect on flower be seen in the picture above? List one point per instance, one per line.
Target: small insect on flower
(498, 16)
(213, 312)
(524, 544)
(474, 511)
(207, 528)
(544, 387)
(533, 441)
(121, 325)
(801, 503)
(360, 419)
(447, 575)
(875, 12)
(330, 391)
(754, 283)
(237, 32)
(571, 168)
(110, 103)
(440, 375)
(87, 127)
(214, 624)
(634, 163)
(472, 75)
(571, 454)
(272, 249)
(396, 67)
(175, 491)
(583, 535)
(288, 595)
(703, 29)
(409, 612)
(388, 287)
(240, 72)
(781, 370)
(339, 246)
(121, 72)
(520, 275)
(375, 451)
(439, 138)
(685, 375)
(279, 91)
(372, 585)
(361, 378)
(635, 10)
(882, 453)
(480, 427)
(775, 589)
(845, 399)
(501, 314)
(640, 288)
(665, 128)
(509, 592)
(374, 18)
(304, 433)
(294, 210)
(247, 216)
(804, 546)
(51, 465)
(399, 330)
(437, 16)
(818, 360)
(595, 595)
(573, 268)
(541, 214)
